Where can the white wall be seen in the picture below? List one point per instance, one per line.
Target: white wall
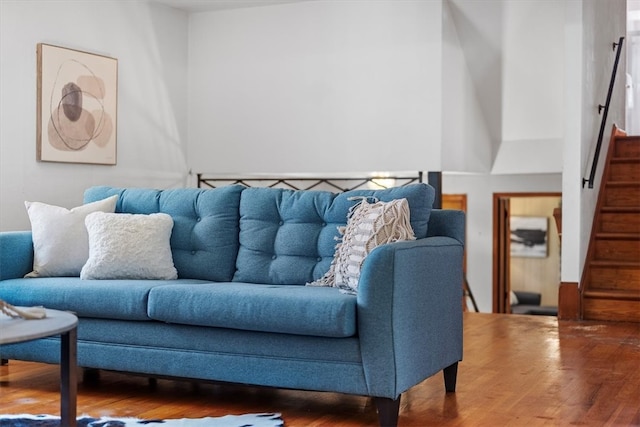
(602, 24)
(533, 71)
(466, 142)
(149, 42)
(555, 63)
(532, 88)
(515, 62)
(321, 87)
(572, 172)
(632, 43)
(479, 26)
(309, 87)
(480, 189)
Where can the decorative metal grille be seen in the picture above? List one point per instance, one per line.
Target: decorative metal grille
(335, 184)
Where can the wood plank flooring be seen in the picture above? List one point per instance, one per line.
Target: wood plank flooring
(517, 371)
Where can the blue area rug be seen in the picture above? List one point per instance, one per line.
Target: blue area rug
(247, 420)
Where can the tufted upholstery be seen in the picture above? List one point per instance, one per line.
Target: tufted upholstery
(204, 241)
(289, 237)
(258, 235)
(233, 314)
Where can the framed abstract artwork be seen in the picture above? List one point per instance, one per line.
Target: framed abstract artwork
(76, 106)
(529, 236)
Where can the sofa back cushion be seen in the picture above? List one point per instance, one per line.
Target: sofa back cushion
(289, 237)
(204, 240)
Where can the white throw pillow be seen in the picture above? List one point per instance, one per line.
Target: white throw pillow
(129, 246)
(514, 298)
(369, 225)
(60, 241)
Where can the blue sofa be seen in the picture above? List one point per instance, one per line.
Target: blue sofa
(239, 311)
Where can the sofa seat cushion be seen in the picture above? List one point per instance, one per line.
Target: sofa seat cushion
(106, 299)
(285, 309)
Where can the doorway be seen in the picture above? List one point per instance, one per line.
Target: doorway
(526, 247)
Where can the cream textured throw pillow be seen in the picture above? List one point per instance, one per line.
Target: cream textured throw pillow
(60, 241)
(369, 225)
(129, 246)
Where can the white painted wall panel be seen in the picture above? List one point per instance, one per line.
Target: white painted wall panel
(316, 87)
(149, 42)
(603, 23)
(466, 142)
(480, 189)
(533, 77)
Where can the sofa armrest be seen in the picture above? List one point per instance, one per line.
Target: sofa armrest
(447, 222)
(410, 312)
(16, 254)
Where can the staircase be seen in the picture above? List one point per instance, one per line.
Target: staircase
(611, 280)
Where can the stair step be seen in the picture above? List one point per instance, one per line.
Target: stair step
(619, 295)
(618, 235)
(624, 169)
(621, 209)
(610, 309)
(622, 194)
(616, 263)
(617, 247)
(627, 146)
(616, 221)
(611, 287)
(614, 276)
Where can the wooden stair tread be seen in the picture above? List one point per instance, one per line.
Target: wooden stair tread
(611, 281)
(610, 263)
(622, 159)
(622, 184)
(620, 209)
(611, 310)
(616, 294)
(618, 236)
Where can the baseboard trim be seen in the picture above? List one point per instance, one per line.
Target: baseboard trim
(569, 306)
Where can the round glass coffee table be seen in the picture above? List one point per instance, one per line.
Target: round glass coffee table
(16, 330)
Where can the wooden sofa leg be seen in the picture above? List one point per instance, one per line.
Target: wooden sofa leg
(388, 410)
(450, 377)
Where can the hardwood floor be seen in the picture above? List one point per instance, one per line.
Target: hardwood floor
(517, 371)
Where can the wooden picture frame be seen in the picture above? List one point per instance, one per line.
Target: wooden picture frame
(76, 106)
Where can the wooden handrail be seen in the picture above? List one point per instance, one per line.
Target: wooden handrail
(604, 107)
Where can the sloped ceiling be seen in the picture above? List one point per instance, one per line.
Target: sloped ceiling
(514, 53)
(479, 27)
